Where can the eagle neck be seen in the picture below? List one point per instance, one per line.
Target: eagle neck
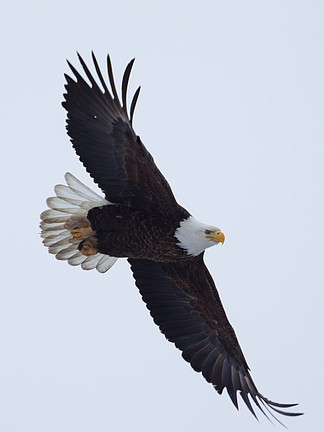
(190, 236)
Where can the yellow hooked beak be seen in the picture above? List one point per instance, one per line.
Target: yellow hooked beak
(218, 237)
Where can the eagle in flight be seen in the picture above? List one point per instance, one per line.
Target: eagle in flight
(139, 219)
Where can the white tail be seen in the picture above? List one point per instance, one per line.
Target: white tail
(67, 210)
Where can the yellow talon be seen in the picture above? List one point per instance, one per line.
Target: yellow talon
(81, 233)
(87, 248)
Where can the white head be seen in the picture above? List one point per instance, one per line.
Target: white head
(195, 236)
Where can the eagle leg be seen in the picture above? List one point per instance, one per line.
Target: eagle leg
(81, 233)
(87, 248)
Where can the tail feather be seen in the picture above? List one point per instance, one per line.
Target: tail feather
(66, 254)
(52, 239)
(63, 205)
(105, 264)
(81, 190)
(76, 259)
(67, 210)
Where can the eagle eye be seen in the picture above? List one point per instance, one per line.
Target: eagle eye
(207, 232)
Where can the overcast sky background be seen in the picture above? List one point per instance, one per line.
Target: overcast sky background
(232, 110)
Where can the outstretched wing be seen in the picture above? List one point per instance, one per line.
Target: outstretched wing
(185, 304)
(103, 137)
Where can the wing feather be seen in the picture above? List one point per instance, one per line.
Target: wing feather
(96, 65)
(125, 84)
(184, 303)
(102, 135)
(111, 80)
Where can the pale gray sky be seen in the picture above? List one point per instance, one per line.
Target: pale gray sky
(232, 110)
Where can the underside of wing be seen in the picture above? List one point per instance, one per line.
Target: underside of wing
(184, 303)
(102, 135)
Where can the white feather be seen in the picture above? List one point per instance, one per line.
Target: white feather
(50, 229)
(80, 189)
(105, 263)
(76, 259)
(69, 209)
(191, 236)
(66, 254)
(90, 262)
(53, 239)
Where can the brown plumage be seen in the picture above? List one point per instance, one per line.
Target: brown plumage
(125, 232)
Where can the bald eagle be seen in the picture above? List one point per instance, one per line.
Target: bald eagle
(139, 219)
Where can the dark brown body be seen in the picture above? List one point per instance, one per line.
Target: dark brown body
(122, 231)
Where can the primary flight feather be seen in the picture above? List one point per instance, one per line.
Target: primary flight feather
(139, 219)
